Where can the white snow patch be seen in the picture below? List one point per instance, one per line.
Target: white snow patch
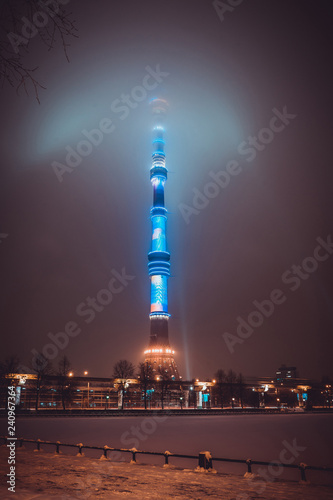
(200, 469)
(169, 466)
(250, 475)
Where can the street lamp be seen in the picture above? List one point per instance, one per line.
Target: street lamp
(86, 373)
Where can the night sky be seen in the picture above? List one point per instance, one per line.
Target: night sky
(223, 76)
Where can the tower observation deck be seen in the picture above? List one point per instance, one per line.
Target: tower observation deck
(159, 354)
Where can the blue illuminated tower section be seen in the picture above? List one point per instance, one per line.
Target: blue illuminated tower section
(159, 355)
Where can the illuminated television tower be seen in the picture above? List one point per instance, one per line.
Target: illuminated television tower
(159, 355)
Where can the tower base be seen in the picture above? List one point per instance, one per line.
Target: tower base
(162, 362)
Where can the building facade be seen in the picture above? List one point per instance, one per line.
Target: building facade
(95, 393)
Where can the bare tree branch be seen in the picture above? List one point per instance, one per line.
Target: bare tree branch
(20, 22)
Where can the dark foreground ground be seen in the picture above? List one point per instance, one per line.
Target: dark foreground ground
(42, 476)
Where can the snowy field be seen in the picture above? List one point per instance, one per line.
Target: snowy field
(259, 437)
(43, 476)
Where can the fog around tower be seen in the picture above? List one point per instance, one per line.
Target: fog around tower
(242, 213)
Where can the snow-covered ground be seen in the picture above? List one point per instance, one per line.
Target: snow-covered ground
(43, 476)
(306, 438)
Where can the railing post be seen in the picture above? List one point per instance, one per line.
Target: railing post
(133, 456)
(20, 443)
(302, 468)
(166, 457)
(80, 446)
(105, 451)
(57, 447)
(249, 465)
(205, 460)
(38, 444)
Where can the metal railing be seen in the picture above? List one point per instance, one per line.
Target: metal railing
(203, 461)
